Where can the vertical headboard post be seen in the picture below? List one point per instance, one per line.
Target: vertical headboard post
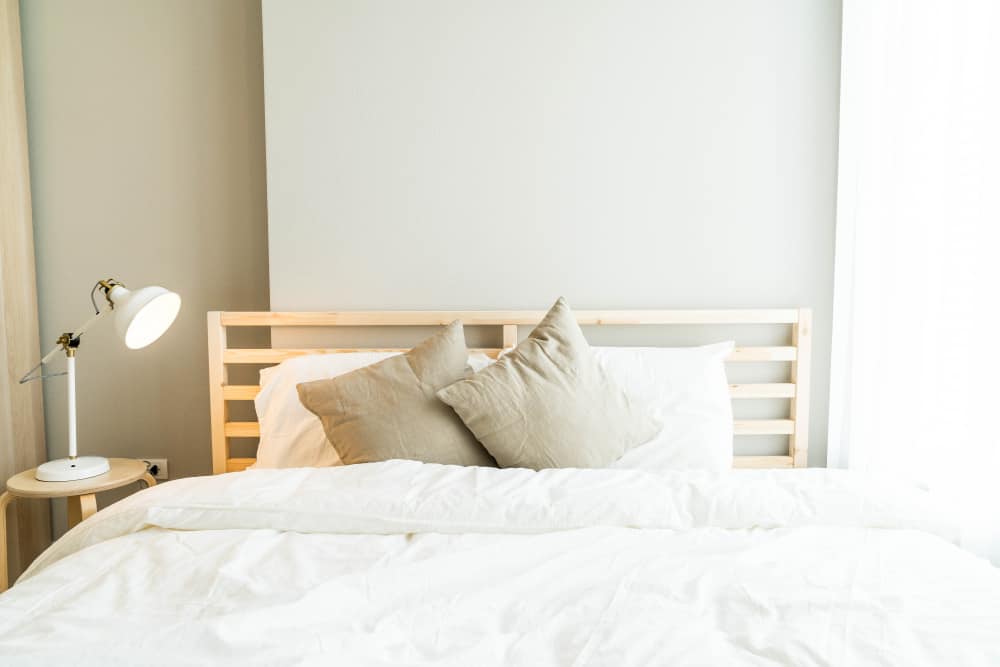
(217, 379)
(798, 442)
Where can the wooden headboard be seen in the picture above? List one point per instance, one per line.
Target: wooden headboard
(796, 355)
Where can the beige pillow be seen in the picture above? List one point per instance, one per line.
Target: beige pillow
(549, 404)
(389, 410)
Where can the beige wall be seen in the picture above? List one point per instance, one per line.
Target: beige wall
(146, 138)
(623, 153)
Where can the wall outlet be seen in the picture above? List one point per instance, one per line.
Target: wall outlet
(161, 468)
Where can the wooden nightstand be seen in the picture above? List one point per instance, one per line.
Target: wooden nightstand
(79, 494)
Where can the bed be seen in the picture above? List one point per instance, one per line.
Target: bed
(408, 563)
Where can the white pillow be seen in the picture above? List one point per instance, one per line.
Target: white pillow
(688, 390)
(290, 435)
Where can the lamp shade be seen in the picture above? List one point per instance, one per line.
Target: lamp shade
(143, 315)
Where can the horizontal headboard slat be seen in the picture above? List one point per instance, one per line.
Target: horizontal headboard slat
(277, 355)
(248, 392)
(780, 461)
(416, 318)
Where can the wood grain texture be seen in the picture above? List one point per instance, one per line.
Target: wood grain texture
(795, 357)
(762, 462)
(238, 465)
(509, 336)
(248, 392)
(764, 390)
(245, 429)
(22, 430)
(763, 427)
(123, 471)
(242, 430)
(5, 499)
(80, 495)
(217, 377)
(79, 508)
(241, 464)
(798, 444)
(763, 354)
(240, 392)
(277, 355)
(410, 318)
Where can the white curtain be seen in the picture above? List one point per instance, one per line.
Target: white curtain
(916, 361)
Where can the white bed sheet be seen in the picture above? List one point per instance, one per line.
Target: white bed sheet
(402, 563)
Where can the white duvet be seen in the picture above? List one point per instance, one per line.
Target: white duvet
(402, 563)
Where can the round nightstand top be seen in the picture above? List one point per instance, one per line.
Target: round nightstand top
(123, 471)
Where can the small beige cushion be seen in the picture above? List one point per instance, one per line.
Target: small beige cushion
(390, 410)
(549, 404)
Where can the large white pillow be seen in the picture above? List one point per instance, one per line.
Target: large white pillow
(290, 435)
(688, 391)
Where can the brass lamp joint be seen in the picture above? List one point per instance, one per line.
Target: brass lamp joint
(105, 286)
(69, 343)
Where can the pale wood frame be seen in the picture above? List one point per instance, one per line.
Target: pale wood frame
(796, 390)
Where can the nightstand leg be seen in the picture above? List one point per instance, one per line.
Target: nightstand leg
(5, 499)
(79, 508)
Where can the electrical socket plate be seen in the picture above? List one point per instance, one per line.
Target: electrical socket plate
(161, 464)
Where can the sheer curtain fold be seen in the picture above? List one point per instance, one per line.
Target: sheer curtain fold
(915, 385)
(22, 434)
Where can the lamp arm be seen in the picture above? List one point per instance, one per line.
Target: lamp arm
(60, 346)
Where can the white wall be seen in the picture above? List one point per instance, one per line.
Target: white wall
(480, 154)
(146, 143)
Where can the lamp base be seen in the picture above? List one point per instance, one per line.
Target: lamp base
(68, 470)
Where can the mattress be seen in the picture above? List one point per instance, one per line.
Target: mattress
(404, 563)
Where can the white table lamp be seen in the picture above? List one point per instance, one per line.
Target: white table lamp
(141, 316)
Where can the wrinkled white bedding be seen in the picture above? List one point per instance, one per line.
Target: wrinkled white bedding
(402, 563)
